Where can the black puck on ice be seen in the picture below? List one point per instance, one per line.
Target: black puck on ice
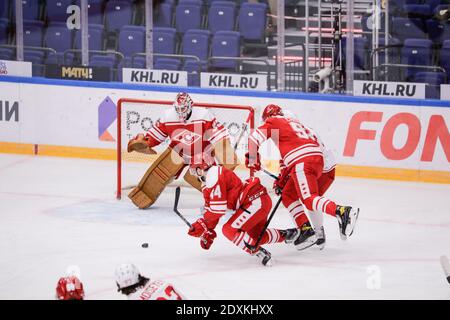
(145, 245)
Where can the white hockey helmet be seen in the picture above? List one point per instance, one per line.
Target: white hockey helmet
(183, 105)
(127, 274)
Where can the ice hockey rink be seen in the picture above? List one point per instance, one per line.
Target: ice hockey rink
(60, 212)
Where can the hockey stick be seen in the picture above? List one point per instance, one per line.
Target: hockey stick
(269, 173)
(446, 266)
(253, 248)
(175, 207)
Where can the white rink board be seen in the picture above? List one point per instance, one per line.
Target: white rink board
(69, 116)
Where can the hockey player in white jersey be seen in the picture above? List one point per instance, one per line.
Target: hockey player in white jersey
(137, 287)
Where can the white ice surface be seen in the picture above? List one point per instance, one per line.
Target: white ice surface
(57, 212)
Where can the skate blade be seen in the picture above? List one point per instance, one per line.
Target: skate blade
(351, 226)
(306, 244)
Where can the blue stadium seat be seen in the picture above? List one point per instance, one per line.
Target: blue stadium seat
(434, 81)
(416, 8)
(118, 14)
(167, 64)
(252, 21)
(165, 15)
(416, 52)
(164, 40)
(225, 44)
(4, 9)
(57, 10)
(131, 40)
(221, 16)
(4, 35)
(104, 61)
(7, 54)
(95, 10)
(33, 33)
(404, 28)
(188, 15)
(196, 43)
(95, 35)
(445, 58)
(438, 31)
(59, 38)
(30, 9)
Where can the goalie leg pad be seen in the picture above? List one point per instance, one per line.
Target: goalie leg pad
(193, 181)
(225, 154)
(157, 177)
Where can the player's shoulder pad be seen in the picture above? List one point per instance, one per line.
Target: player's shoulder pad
(212, 176)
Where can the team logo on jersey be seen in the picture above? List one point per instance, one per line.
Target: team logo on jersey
(187, 137)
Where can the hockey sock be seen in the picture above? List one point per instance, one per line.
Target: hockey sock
(322, 204)
(297, 213)
(272, 236)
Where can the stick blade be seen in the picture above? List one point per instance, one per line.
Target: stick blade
(446, 266)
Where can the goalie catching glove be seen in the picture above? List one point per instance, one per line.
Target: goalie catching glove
(139, 144)
(200, 230)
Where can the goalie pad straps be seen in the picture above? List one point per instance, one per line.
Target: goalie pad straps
(157, 177)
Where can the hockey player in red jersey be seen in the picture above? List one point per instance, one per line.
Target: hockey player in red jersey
(137, 287)
(69, 288)
(191, 131)
(222, 190)
(290, 199)
(303, 157)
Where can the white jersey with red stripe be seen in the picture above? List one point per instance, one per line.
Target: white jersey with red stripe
(156, 290)
(195, 135)
(295, 141)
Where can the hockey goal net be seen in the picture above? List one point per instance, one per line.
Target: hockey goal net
(137, 116)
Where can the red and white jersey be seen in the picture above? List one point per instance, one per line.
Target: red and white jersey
(195, 135)
(295, 141)
(156, 290)
(329, 160)
(224, 190)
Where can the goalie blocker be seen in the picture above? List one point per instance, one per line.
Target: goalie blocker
(168, 166)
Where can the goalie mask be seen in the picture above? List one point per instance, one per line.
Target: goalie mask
(183, 106)
(200, 163)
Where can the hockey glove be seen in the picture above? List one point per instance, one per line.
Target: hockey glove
(139, 144)
(253, 162)
(207, 239)
(198, 228)
(279, 184)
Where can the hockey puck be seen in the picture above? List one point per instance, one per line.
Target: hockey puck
(145, 245)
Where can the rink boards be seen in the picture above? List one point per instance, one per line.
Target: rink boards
(373, 138)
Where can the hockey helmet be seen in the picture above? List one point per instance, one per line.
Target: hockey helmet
(183, 105)
(200, 163)
(127, 274)
(271, 110)
(69, 288)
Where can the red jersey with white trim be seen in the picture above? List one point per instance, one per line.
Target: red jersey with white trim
(224, 190)
(195, 135)
(156, 290)
(295, 141)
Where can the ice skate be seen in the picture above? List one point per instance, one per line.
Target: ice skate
(306, 238)
(321, 238)
(347, 217)
(265, 257)
(290, 235)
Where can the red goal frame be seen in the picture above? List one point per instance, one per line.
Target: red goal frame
(250, 120)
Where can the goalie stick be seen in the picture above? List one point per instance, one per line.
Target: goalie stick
(446, 266)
